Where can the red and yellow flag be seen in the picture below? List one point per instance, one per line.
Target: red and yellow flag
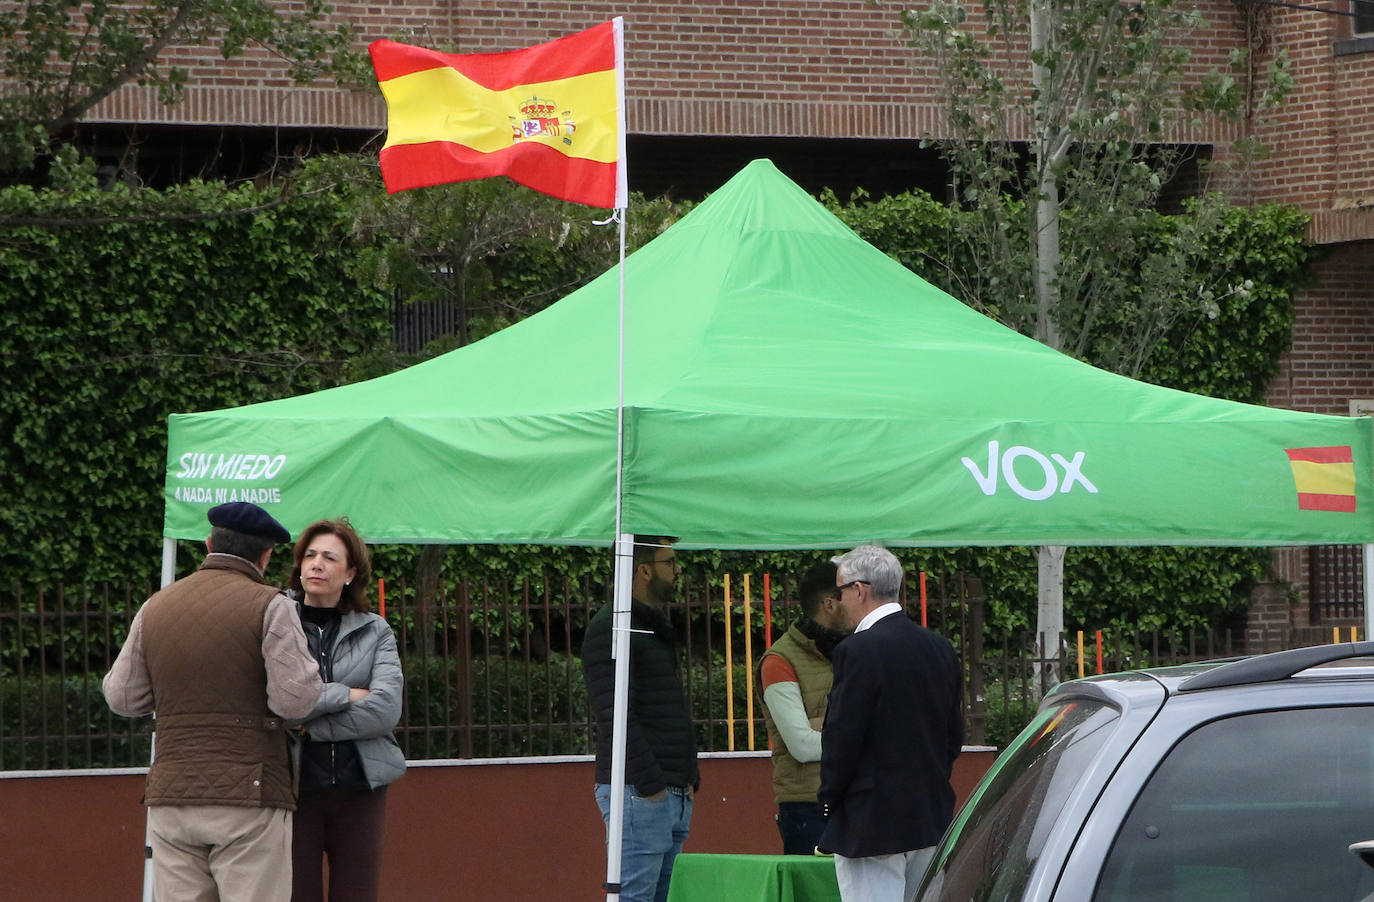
(549, 117)
(1325, 478)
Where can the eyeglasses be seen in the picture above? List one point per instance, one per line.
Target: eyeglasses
(851, 584)
(670, 561)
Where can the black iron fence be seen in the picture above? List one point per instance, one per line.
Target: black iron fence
(1336, 587)
(492, 667)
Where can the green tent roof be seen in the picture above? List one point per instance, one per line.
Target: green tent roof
(786, 385)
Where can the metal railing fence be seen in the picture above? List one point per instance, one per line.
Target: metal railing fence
(492, 666)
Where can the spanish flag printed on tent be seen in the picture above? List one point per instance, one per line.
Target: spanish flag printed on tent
(550, 117)
(1325, 478)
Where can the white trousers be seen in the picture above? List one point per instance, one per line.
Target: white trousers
(882, 878)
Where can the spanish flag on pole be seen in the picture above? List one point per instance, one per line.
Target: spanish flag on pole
(550, 117)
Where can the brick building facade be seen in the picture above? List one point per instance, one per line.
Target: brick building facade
(831, 91)
(1315, 140)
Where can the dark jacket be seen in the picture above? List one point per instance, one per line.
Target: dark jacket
(660, 750)
(892, 731)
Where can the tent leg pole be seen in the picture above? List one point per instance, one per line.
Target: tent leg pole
(169, 574)
(169, 561)
(620, 650)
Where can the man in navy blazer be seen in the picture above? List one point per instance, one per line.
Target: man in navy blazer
(893, 727)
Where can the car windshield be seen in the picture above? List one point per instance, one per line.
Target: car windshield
(990, 852)
(1253, 808)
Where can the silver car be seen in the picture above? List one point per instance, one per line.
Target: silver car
(1240, 781)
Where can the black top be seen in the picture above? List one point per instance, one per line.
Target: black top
(660, 750)
(326, 764)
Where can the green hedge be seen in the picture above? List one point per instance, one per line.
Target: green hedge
(165, 302)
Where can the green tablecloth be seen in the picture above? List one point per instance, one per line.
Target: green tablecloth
(753, 878)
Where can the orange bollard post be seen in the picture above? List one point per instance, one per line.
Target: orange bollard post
(748, 666)
(729, 675)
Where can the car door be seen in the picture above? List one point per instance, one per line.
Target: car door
(1009, 841)
(1224, 805)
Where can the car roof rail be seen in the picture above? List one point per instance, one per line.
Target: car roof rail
(1279, 665)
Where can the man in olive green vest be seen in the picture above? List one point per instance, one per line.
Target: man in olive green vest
(221, 656)
(795, 677)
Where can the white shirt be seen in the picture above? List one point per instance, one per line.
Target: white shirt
(877, 614)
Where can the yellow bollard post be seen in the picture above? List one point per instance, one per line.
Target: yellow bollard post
(1081, 673)
(1353, 631)
(729, 675)
(748, 665)
(1335, 635)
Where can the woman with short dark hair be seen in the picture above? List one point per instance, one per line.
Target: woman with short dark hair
(349, 754)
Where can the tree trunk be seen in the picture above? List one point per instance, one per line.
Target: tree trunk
(1049, 629)
(1049, 625)
(427, 570)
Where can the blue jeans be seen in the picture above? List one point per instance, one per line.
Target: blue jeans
(653, 836)
(801, 826)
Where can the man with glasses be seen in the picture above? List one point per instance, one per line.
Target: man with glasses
(893, 728)
(660, 751)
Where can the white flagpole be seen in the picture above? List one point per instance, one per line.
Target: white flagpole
(620, 620)
(624, 543)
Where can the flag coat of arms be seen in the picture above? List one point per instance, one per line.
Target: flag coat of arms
(550, 117)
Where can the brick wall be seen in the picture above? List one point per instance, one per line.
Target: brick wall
(1332, 357)
(804, 68)
(1330, 363)
(1318, 139)
(1269, 618)
(809, 68)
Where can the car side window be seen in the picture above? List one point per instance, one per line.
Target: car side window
(991, 849)
(1252, 808)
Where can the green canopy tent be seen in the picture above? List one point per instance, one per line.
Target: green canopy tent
(785, 385)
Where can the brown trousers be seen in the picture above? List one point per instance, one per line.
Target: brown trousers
(345, 826)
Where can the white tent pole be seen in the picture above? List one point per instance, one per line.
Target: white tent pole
(169, 561)
(620, 610)
(169, 574)
(1368, 591)
(620, 650)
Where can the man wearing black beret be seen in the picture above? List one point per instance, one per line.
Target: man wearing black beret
(221, 657)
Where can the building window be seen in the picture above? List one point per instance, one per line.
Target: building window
(1362, 20)
(1355, 32)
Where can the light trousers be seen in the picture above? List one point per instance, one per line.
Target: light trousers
(220, 853)
(882, 878)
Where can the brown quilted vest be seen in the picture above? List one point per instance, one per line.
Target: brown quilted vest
(217, 743)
